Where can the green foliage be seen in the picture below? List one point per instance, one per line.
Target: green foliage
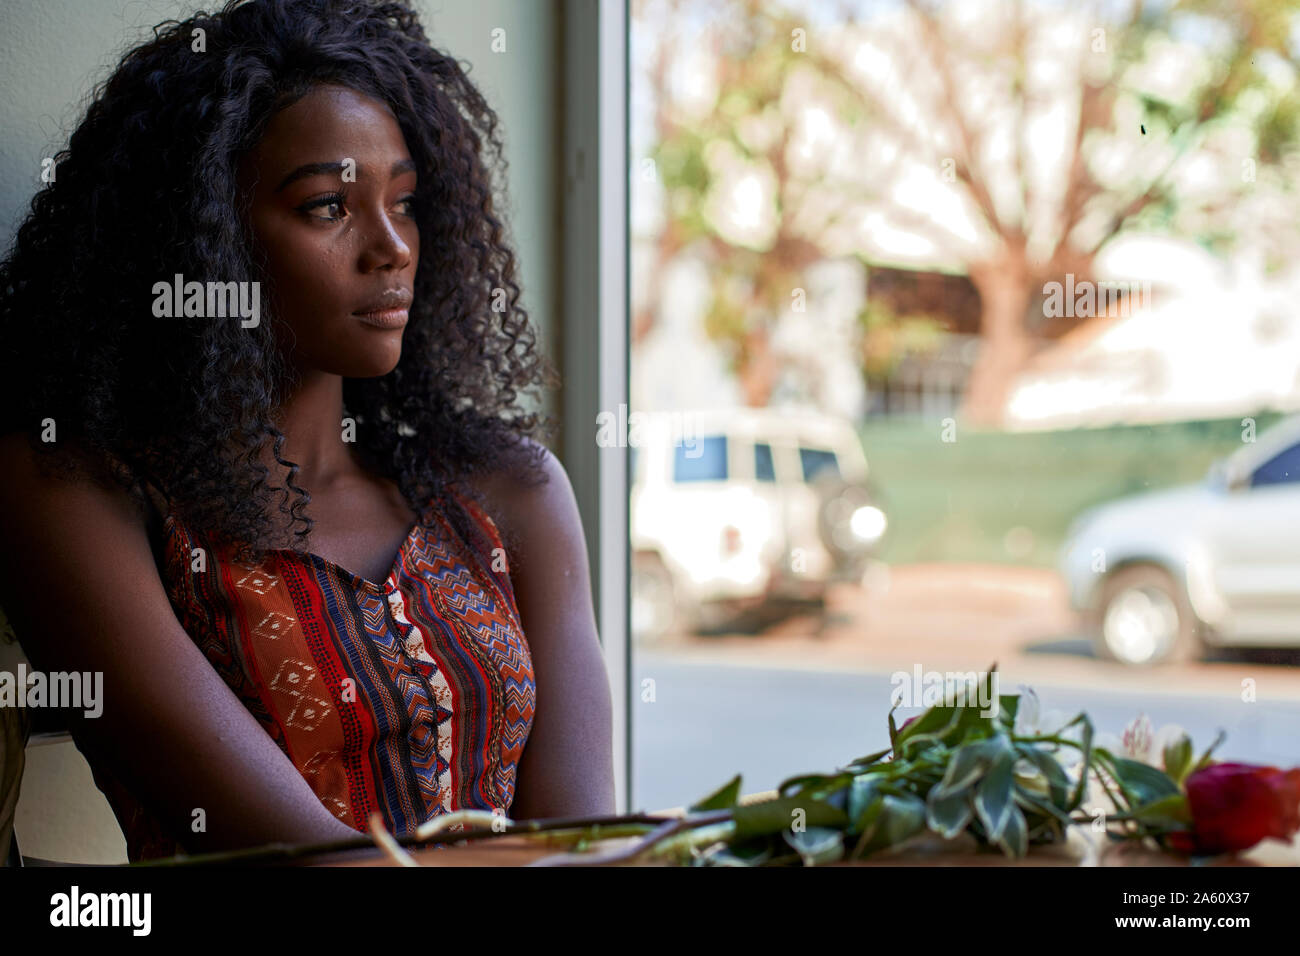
(956, 501)
(888, 338)
(954, 769)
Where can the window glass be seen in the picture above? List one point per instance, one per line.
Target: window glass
(1281, 469)
(816, 460)
(763, 467)
(704, 459)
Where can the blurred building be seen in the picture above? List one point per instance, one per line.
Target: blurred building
(1218, 338)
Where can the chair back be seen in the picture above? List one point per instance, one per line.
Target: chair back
(15, 731)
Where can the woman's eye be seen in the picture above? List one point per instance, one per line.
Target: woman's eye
(327, 208)
(408, 205)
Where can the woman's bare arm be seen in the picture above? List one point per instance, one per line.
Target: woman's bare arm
(567, 769)
(79, 584)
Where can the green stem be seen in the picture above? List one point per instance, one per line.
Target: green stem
(671, 837)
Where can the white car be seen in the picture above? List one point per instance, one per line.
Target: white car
(1163, 576)
(733, 509)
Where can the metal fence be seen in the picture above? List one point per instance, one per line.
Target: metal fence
(929, 385)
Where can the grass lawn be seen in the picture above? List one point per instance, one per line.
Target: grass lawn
(1009, 497)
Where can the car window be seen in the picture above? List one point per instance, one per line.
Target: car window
(1280, 469)
(816, 460)
(704, 459)
(764, 469)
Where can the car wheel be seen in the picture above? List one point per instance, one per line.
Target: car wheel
(654, 605)
(1144, 618)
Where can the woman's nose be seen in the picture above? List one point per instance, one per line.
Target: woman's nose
(384, 246)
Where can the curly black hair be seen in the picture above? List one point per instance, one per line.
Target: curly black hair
(146, 188)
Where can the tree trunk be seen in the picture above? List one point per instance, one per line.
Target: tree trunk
(1005, 293)
(757, 367)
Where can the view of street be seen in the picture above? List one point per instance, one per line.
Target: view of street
(794, 699)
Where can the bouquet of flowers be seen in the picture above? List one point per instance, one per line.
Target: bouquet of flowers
(1010, 777)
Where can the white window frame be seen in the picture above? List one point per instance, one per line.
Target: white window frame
(593, 327)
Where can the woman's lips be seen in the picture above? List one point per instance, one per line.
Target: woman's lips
(384, 318)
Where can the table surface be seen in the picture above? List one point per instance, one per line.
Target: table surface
(515, 851)
(1083, 848)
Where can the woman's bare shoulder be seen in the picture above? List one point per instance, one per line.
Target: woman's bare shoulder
(58, 513)
(37, 484)
(509, 497)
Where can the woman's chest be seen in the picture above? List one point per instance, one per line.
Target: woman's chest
(332, 667)
(360, 532)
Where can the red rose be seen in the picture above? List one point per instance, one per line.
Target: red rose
(1235, 805)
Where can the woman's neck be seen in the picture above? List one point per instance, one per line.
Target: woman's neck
(311, 419)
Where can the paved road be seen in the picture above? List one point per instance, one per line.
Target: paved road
(811, 693)
(709, 721)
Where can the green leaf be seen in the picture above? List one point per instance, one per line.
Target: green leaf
(948, 815)
(993, 803)
(725, 796)
(1139, 782)
(937, 726)
(1170, 811)
(1034, 801)
(863, 792)
(1178, 758)
(773, 816)
(806, 782)
(1076, 798)
(947, 724)
(1058, 784)
(754, 852)
(724, 857)
(816, 844)
(1014, 838)
(968, 764)
(894, 820)
(1008, 705)
(869, 759)
(751, 849)
(1205, 757)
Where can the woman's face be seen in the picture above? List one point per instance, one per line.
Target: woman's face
(331, 188)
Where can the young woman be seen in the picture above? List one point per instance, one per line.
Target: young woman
(260, 344)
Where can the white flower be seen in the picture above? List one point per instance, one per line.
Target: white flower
(1137, 738)
(1140, 742)
(1033, 721)
(1026, 724)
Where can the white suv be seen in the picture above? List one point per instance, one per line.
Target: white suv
(732, 509)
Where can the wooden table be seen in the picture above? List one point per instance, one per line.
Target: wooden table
(515, 851)
(1083, 848)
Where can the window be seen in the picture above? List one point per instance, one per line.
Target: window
(763, 467)
(704, 459)
(1281, 469)
(816, 460)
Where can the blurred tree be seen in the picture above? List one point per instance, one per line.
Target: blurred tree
(1012, 139)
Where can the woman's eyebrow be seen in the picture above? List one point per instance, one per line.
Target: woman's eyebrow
(315, 169)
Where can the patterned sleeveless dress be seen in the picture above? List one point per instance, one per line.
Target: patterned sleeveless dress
(413, 696)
